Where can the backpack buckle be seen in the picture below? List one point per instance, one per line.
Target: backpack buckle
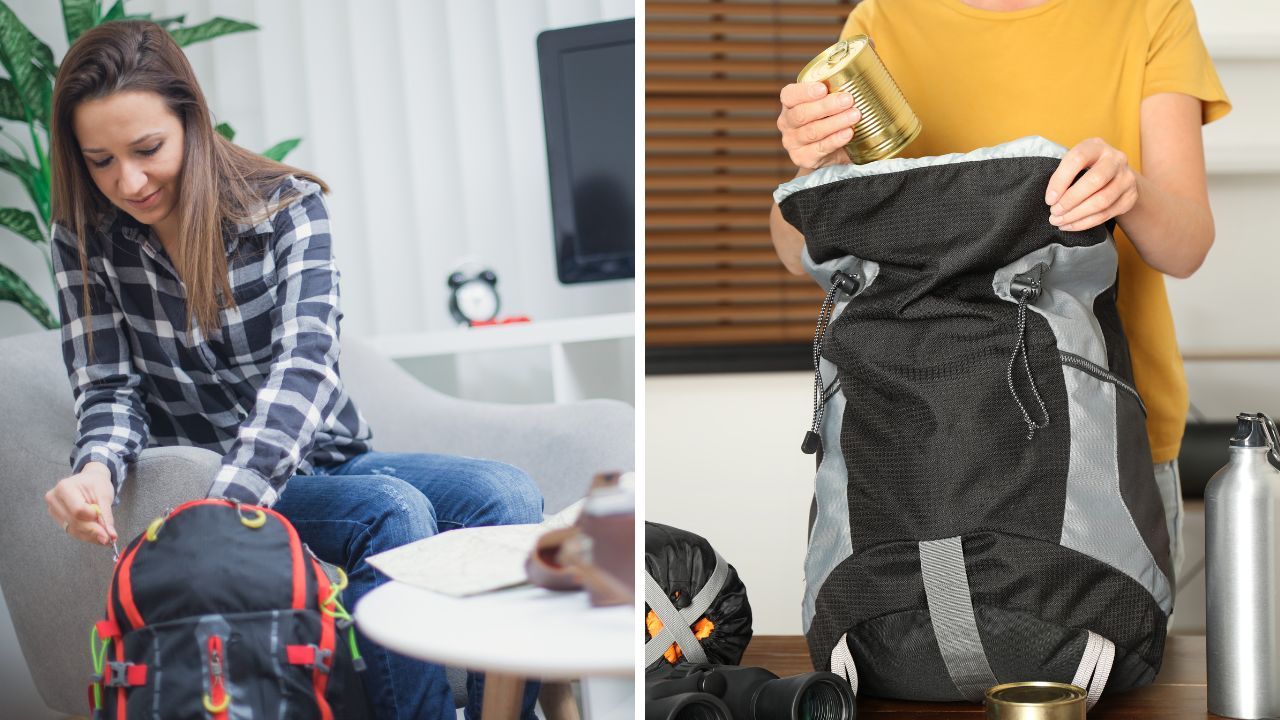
(324, 659)
(124, 674)
(312, 656)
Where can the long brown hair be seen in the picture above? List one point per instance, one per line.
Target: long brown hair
(220, 182)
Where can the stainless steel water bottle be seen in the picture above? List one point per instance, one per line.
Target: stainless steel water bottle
(1242, 568)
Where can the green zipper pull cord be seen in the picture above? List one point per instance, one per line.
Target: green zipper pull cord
(99, 660)
(333, 607)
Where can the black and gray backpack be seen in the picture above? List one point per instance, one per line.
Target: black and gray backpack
(985, 508)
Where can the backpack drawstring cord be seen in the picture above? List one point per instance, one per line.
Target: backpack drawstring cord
(840, 282)
(1030, 290)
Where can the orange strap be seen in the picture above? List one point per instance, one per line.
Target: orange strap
(122, 710)
(125, 588)
(107, 628)
(299, 570)
(307, 655)
(320, 678)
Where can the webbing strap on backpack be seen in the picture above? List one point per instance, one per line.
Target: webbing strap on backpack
(842, 663)
(946, 586)
(1095, 665)
(676, 623)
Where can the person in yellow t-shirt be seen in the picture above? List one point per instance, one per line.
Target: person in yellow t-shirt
(1125, 85)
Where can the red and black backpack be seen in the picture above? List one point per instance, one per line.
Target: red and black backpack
(219, 611)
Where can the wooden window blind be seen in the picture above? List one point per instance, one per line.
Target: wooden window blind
(713, 158)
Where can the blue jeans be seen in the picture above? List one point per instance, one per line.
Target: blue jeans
(378, 501)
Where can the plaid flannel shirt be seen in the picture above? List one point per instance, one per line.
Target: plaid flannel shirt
(262, 390)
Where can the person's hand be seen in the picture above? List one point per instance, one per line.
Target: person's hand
(1109, 188)
(81, 504)
(815, 125)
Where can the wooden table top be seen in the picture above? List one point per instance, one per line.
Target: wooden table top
(1178, 692)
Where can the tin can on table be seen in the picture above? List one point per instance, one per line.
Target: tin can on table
(1036, 701)
(888, 124)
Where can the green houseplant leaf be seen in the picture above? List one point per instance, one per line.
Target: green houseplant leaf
(23, 223)
(10, 103)
(208, 30)
(79, 15)
(116, 12)
(279, 150)
(168, 22)
(15, 289)
(29, 63)
(225, 131)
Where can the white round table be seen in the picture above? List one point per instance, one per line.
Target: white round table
(510, 635)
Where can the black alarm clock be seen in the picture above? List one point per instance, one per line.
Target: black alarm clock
(473, 296)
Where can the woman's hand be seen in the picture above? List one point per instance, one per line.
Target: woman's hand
(815, 126)
(76, 504)
(1109, 188)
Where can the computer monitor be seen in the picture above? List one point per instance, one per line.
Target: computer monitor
(588, 104)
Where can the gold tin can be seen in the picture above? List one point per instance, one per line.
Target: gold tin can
(1036, 701)
(888, 124)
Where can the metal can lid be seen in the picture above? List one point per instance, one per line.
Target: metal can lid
(1035, 693)
(833, 59)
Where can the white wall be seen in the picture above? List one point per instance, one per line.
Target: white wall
(425, 118)
(722, 451)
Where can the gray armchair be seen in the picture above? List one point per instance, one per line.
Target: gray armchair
(55, 587)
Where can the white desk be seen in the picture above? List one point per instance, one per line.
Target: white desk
(511, 635)
(579, 367)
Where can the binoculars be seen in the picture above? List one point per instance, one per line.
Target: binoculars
(727, 692)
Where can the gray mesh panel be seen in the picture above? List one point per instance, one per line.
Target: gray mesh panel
(829, 542)
(1096, 520)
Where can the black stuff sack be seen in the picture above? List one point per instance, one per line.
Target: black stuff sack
(696, 607)
(219, 611)
(985, 506)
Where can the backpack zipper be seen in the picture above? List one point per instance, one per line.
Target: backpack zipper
(217, 700)
(1102, 374)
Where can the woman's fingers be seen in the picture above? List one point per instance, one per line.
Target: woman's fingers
(1106, 189)
(76, 508)
(1100, 174)
(108, 521)
(819, 130)
(1098, 202)
(86, 523)
(800, 115)
(1072, 164)
(813, 123)
(797, 93)
(1122, 205)
(98, 496)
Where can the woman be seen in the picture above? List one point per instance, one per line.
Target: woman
(1126, 86)
(199, 305)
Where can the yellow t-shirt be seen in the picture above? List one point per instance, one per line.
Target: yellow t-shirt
(1067, 70)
